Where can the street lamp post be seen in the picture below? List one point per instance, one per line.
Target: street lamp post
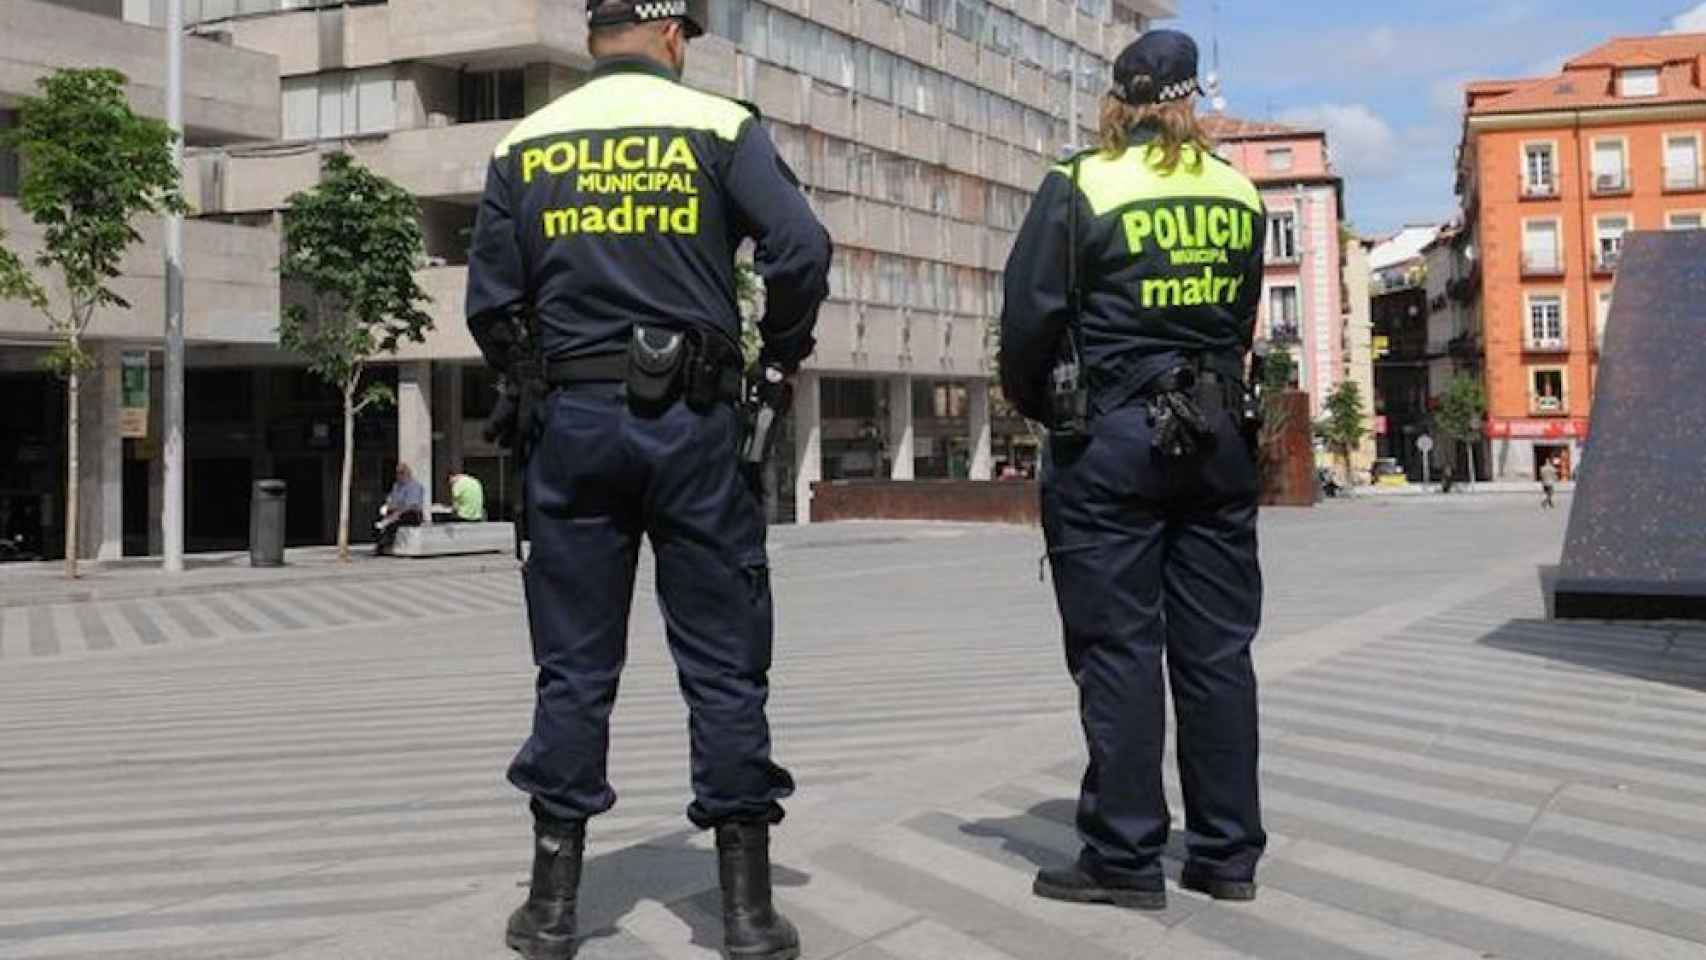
(172, 512)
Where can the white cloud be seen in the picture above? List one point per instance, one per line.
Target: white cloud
(1363, 144)
(1693, 21)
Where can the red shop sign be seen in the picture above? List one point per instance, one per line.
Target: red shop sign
(1537, 429)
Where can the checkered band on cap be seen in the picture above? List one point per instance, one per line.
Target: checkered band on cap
(656, 9)
(1177, 91)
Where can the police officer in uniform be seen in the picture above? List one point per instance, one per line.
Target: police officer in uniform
(1141, 262)
(608, 229)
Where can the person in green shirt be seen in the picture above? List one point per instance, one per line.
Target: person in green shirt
(467, 498)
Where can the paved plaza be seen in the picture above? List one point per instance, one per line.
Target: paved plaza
(307, 765)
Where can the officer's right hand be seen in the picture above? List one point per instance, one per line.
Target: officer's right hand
(503, 425)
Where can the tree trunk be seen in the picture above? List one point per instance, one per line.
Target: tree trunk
(72, 389)
(349, 467)
(1470, 448)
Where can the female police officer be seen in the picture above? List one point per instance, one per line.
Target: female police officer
(1141, 262)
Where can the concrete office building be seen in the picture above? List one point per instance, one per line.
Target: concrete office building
(231, 96)
(919, 128)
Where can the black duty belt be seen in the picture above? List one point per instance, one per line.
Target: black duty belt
(602, 368)
(726, 382)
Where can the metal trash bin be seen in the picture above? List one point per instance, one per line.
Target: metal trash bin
(266, 524)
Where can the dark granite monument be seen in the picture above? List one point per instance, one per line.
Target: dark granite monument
(1636, 548)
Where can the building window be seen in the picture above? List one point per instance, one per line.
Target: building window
(1684, 221)
(1638, 82)
(1546, 322)
(1539, 170)
(1610, 174)
(1283, 319)
(342, 103)
(1547, 391)
(1540, 248)
(1282, 237)
(1281, 160)
(492, 95)
(1608, 241)
(1682, 162)
(1602, 315)
(8, 159)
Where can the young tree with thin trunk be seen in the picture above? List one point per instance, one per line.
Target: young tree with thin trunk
(352, 245)
(1462, 409)
(91, 167)
(1343, 426)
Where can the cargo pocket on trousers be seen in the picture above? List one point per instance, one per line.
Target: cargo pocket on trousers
(755, 571)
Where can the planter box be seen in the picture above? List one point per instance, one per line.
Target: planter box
(959, 501)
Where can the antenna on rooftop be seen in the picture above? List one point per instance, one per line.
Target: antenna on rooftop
(1212, 87)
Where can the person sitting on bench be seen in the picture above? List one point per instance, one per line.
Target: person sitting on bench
(404, 507)
(467, 499)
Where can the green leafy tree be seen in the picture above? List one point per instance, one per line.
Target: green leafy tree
(749, 291)
(1461, 411)
(1343, 427)
(91, 168)
(352, 245)
(16, 281)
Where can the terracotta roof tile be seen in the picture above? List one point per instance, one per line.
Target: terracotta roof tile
(1642, 51)
(1225, 127)
(1589, 81)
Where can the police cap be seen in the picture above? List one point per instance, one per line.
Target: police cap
(1157, 67)
(611, 13)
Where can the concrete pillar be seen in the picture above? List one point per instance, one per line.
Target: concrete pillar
(808, 442)
(903, 439)
(982, 442)
(157, 462)
(100, 520)
(453, 426)
(414, 423)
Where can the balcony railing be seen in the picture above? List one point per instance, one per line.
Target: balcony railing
(1606, 261)
(1547, 406)
(1611, 183)
(1542, 265)
(1546, 345)
(1539, 191)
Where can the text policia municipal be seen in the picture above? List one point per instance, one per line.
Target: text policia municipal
(620, 167)
(1192, 235)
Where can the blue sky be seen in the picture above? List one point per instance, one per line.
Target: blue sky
(1385, 78)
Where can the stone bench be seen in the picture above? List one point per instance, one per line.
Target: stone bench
(454, 539)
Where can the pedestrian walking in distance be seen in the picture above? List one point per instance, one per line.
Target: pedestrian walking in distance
(1131, 300)
(1548, 484)
(602, 283)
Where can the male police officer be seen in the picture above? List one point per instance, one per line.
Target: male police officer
(1142, 261)
(609, 224)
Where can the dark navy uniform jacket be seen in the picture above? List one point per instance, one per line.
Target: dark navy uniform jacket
(1170, 266)
(624, 202)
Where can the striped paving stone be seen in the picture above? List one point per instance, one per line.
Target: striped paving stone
(316, 773)
(195, 619)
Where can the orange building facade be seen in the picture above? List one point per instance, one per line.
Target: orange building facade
(1553, 172)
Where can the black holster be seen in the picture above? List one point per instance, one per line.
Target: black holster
(665, 365)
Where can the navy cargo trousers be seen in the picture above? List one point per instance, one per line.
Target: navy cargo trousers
(601, 477)
(1155, 564)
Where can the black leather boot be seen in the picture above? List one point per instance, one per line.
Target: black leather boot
(752, 929)
(543, 928)
(1075, 885)
(1201, 879)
